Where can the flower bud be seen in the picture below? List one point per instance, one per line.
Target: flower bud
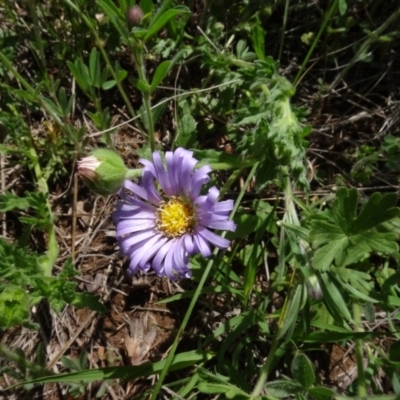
(134, 15)
(103, 171)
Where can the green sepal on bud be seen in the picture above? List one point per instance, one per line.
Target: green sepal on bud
(103, 171)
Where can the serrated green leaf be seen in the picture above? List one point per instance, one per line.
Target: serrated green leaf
(303, 370)
(345, 208)
(381, 242)
(257, 39)
(186, 137)
(14, 307)
(348, 238)
(81, 300)
(9, 201)
(377, 210)
(324, 256)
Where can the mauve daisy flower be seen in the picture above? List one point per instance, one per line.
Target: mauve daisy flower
(160, 226)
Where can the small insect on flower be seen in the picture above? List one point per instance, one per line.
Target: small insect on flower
(161, 226)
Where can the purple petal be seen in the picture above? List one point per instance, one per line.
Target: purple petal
(157, 263)
(202, 245)
(222, 225)
(136, 238)
(189, 245)
(211, 237)
(223, 206)
(161, 175)
(148, 250)
(125, 227)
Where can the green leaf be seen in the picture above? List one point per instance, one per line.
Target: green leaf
(108, 84)
(186, 132)
(369, 311)
(321, 393)
(14, 307)
(342, 236)
(25, 95)
(377, 210)
(9, 201)
(81, 300)
(180, 361)
(230, 391)
(121, 75)
(161, 72)
(141, 85)
(283, 388)
(159, 22)
(303, 370)
(333, 298)
(116, 17)
(324, 256)
(292, 313)
(146, 6)
(257, 39)
(342, 7)
(80, 73)
(219, 160)
(332, 337)
(94, 67)
(53, 107)
(345, 208)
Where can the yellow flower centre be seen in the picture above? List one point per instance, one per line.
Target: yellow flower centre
(176, 217)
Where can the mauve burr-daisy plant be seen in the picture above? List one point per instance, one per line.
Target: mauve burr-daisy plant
(164, 219)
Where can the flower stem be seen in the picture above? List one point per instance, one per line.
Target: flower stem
(265, 369)
(133, 173)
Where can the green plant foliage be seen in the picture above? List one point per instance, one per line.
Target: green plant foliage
(23, 284)
(14, 306)
(303, 370)
(222, 78)
(346, 235)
